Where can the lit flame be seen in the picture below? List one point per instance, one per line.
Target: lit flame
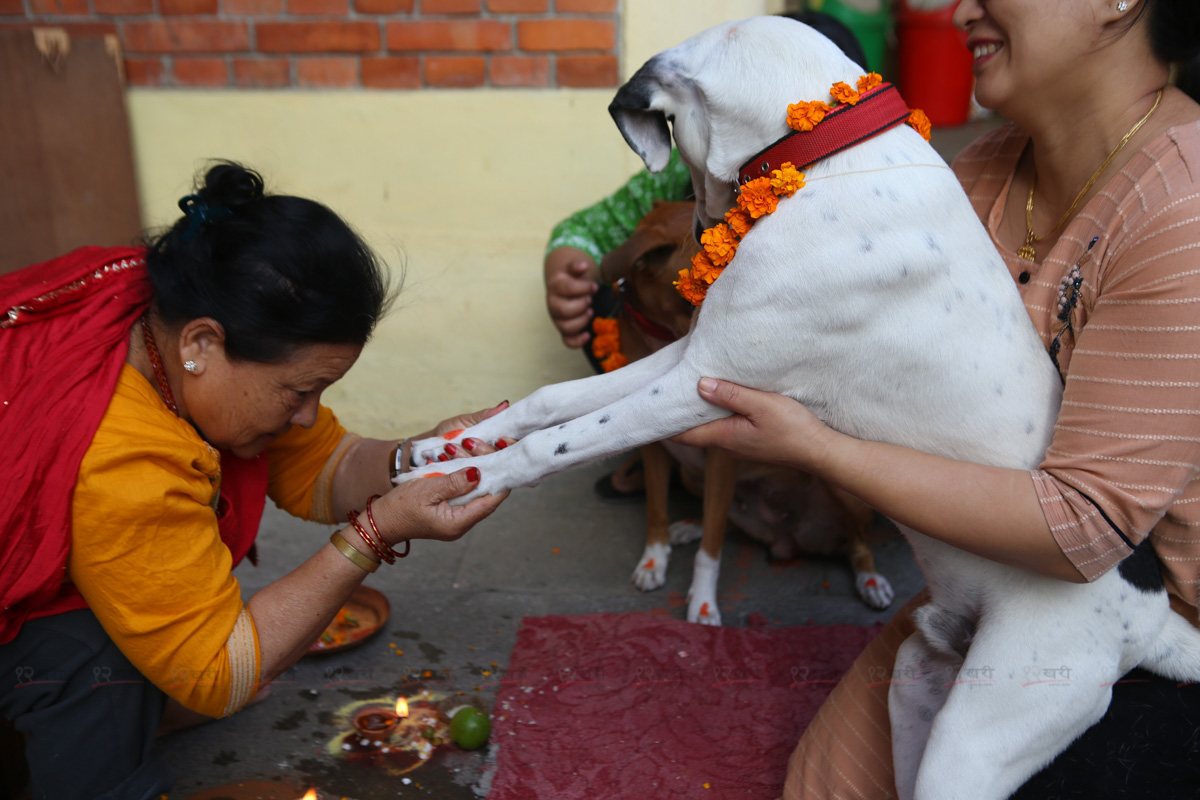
(401, 707)
(311, 794)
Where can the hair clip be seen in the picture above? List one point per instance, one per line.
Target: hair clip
(199, 213)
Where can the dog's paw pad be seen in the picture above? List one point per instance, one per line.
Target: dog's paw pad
(874, 589)
(651, 572)
(706, 613)
(684, 531)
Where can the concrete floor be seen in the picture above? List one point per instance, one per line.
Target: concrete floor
(455, 609)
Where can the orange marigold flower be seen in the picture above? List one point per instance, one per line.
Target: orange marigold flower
(703, 269)
(692, 290)
(786, 180)
(869, 81)
(604, 325)
(606, 345)
(920, 123)
(843, 93)
(756, 198)
(607, 339)
(720, 244)
(738, 221)
(805, 116)
(615, 361)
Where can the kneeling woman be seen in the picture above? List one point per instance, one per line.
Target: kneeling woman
(152, 399)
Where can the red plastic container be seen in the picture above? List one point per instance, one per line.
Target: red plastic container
(933, 64)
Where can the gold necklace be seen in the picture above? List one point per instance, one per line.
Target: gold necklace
(1027, 252)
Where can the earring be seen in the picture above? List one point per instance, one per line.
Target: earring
(190, 366)
(1122, 6)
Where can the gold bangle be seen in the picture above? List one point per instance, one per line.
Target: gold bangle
(351, 552)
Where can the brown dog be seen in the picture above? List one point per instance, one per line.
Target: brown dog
(790, 511)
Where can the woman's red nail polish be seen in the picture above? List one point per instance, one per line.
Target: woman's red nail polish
(469, 444)
(451, 449)
(473, 474)
(443, 457)
(501, 444)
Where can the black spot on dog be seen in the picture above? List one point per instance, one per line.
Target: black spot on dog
(1028, 427)
(865, 245)
(655, 390)
(931, 244)
(561, 449)
(875, 191)
(1141, 569)
(560, 427)
(604, 419)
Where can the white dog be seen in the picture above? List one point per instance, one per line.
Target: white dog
(875, 297)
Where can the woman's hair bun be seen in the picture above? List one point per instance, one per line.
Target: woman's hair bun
(229, 185)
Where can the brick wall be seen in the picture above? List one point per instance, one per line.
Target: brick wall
(375, 44)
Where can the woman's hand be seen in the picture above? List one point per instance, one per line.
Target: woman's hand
(421, 509)
(464, 420)
(571, 277)
(765, 427)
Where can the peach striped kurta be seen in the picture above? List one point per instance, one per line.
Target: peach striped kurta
(1125, 456)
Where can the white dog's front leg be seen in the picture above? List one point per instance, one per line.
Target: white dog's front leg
(651, 571)
(658, 410)
(702, 597)
(557, 403)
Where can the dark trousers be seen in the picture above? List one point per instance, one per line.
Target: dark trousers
(88, 716)
(1147, 745)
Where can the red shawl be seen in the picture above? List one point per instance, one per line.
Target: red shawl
(64, 336)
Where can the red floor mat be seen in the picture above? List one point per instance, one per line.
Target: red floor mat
(638, 706)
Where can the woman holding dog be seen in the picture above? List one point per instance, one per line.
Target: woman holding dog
(153, 398)
(1093, 199)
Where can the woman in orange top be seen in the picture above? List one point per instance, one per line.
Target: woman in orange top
(1080, 80)
(151, 400)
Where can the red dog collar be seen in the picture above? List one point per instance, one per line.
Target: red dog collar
(845, 126)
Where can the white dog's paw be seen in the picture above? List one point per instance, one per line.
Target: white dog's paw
(702, 608)
(874, 589)
(684, 531)
(651, 571)
(428, 451)
(702, 597)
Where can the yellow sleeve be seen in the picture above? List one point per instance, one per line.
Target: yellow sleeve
(147, 556)
(302, 462)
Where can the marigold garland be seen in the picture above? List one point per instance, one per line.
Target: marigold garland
(786, 181)
(756, 198)
(869, 81)
(844, 94)
(760, 197)
(805, 116)
(739, 221)
(607, 337)
(606, 344)
(720, 243)
(920, 123)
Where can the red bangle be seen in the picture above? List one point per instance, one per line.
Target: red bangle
(379, 550)
(371, 519)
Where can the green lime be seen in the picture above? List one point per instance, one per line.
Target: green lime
(470, 728)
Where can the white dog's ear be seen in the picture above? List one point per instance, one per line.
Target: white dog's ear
(644, 128)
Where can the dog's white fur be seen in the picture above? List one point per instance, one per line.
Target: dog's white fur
(875, 297)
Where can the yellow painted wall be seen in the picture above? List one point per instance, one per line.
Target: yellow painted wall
(457, 190)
